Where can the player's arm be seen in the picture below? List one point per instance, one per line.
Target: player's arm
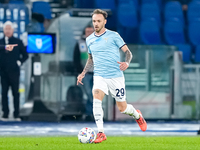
(87, 67)
(128, 57)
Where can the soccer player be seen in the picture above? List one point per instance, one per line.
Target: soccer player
(103, 48)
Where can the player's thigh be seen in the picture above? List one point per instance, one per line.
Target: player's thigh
(100, 88)
(117, 88)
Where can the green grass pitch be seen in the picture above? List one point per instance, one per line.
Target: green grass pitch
(112, 143)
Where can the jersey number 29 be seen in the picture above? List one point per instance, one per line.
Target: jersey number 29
(120, 92)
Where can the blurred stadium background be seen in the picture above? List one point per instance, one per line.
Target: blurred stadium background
(163, 79)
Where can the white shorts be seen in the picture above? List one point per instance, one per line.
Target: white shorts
(116, 86)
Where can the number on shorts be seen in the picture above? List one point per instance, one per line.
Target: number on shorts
(120, 92)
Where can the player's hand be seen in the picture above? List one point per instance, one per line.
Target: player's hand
(123, 65)
(79, 78)
(10, 47)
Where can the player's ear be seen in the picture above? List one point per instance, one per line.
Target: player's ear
(105, 21)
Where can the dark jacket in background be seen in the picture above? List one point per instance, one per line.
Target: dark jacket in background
(8, 59)
(77, 59)
(10, 73)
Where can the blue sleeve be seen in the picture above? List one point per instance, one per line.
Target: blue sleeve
(119, 41)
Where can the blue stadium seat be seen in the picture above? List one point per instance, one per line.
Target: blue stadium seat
(173, 11)
(150, 33)
(1, 26)
(43, 8)
(195, 0)
(129, 35)
(193, 13)
(84, 3)
(2, 12)
(174, 32)
(1, 35)
(194, 32)
(186, 51)
(131, 2)
(150, 11)
(16, 1)
(105, 4)
(127, 15)
(197, 54)
(126, 26)
(19, 12)
(159, 2)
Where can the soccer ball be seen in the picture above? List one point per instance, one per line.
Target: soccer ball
(86, 135)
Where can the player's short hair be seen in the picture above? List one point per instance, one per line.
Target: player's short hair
(8, 23)
(99, 11)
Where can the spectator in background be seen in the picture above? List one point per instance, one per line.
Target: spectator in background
(47, 22)
(37, 23)
(10, 63)
(80, 59)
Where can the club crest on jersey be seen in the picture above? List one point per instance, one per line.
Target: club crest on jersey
(106, 39)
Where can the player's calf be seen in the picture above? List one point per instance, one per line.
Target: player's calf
(131, 111)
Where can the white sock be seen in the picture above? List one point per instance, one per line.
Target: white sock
(98, 114)
(131, 111)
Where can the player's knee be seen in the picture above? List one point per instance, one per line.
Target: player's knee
(97, 94)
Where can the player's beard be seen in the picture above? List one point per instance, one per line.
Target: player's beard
(97, 30)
